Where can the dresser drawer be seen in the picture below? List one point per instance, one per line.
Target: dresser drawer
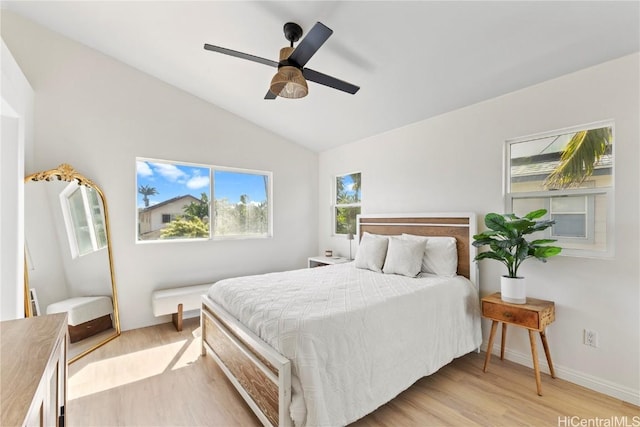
(515, 315)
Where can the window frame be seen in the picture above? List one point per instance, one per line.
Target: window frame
(547, 195)
(589, 220)
(211, 237)
(269, 175)
(70, 226)
(335, 205)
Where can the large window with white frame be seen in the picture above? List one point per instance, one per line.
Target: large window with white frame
(570, 173)
(347, 202)
(177, 200)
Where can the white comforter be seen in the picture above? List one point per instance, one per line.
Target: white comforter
(356, 338)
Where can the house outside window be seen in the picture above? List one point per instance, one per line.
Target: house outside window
(570, 173)
(348, 202)
(174, 202)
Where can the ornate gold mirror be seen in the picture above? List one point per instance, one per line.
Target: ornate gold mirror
(68, 257)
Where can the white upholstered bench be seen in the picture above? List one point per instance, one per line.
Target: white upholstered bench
(175, 301)
(86, 315)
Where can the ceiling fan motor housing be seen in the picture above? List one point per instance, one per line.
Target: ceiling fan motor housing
(288, 81)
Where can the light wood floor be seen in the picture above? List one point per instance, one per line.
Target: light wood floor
(155, 377)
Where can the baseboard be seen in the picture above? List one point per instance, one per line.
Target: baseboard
(600, 385)
(191, 314)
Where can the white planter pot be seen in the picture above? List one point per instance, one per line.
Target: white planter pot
(513, 289)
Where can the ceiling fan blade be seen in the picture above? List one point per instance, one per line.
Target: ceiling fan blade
(240, 55)
(270, 95)
(310, 44)
(326, 80)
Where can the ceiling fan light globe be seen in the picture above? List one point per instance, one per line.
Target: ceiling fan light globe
(289, 82)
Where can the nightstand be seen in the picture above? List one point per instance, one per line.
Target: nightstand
(321, 261)
(535, 316)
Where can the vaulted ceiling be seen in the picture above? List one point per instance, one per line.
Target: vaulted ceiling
(413, 60)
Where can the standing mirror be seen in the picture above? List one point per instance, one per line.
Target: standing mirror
(68, 257)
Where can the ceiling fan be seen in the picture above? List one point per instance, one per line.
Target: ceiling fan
(291, 79)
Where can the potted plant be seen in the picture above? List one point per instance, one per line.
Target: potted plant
(507, 244)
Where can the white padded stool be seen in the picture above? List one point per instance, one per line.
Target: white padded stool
(175, 301)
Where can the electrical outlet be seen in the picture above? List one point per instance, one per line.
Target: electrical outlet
(590, 338)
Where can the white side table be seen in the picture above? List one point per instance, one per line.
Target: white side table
(321, 261)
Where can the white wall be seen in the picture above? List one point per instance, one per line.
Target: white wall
(453, 162)
(17, 140)
(98, 114)
(45, 266)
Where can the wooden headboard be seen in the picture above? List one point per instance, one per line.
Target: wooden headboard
(462, 226)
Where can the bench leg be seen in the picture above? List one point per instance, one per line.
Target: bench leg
(177, 318)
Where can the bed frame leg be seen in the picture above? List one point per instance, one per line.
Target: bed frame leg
(203, 349)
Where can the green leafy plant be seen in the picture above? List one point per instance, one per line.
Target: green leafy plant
(506, 241)
(183, 227)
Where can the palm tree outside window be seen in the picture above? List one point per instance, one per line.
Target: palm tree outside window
(348, 201)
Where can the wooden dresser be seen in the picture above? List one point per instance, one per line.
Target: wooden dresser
(33, 384)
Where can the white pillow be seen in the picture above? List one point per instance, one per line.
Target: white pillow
(372, 252)
(404, 257)
(440, 255)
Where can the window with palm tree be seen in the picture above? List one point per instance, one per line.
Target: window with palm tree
(187, 201)
(570, 174)
(347, 202)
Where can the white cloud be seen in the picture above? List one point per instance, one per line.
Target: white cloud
(143, 169)
(197, 182)
(169, 172)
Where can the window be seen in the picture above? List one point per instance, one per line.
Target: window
(573, 216)
(241, 203)
(84, 219)
(174, 201)
(570, 174)
(347, 202)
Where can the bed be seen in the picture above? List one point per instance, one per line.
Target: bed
(328, 345)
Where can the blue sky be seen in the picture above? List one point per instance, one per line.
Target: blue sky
(174, 179)
(347, 185)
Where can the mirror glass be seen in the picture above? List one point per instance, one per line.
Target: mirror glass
(68, 258)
